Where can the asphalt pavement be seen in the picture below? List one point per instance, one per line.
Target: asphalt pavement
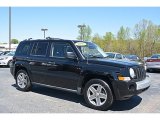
(47, 100)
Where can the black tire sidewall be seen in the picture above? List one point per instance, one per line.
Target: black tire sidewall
(28, 86)
(109, 100)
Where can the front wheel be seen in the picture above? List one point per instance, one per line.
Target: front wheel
(98, 94)
(23, 81)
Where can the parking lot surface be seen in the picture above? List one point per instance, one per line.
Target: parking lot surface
(47, 100)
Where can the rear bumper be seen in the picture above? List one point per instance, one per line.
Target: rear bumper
(125, 90)
(151, 65)
(12, 69)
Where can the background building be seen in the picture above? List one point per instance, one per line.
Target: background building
(4, 47)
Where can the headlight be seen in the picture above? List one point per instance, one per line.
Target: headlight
(132, 73)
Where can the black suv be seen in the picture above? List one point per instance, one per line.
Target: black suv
(77, 66)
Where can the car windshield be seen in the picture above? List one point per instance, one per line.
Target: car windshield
(10, 53)
(110, 55)
(132, 57)
(90, 50)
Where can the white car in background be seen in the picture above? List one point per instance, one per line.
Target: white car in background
(153, 63)
(5, 60)
(116, 56)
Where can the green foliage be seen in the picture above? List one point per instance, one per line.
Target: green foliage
(85, 33)
(14, 41)
(143, 40)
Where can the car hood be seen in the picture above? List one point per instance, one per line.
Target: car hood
(115, 63)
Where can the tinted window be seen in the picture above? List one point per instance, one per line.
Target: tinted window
(23, 48)
(60, 49)
(118, 56)
(39, 48)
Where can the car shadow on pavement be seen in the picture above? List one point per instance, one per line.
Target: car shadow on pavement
(155, 71)
(126, 104)
(73, 97)
(69, 96)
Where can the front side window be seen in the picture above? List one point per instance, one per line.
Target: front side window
(60, 50)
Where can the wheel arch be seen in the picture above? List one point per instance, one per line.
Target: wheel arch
(20, 67)
(107, 78)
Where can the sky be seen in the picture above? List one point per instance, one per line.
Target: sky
(62, 22)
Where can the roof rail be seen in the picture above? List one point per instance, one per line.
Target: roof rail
(29, 38)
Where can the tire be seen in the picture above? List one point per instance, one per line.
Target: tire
(98, 94)
(23, 81)
(150, 70)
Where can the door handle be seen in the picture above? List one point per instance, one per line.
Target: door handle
(53, 63)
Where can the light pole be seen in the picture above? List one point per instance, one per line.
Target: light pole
(10, 28)
(44, 30)
(81, 29)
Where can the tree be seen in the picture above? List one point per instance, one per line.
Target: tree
(122, 36)
(85, 32)
(108, 39)
(14, 41)
(146, 35)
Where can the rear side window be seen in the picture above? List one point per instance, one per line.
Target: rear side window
(39, 49)
(23, 48)
(118, 56)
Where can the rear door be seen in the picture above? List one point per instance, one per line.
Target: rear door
(38, 61)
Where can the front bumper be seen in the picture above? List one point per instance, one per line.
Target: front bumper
(125, 90)
(143, 84)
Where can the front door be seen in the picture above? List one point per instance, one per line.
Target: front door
(62, 71)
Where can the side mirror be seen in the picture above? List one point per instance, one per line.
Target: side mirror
(71, 55)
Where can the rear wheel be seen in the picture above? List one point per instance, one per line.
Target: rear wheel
(98, 94)
(23, 81)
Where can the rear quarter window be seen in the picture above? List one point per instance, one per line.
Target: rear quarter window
(23, 49)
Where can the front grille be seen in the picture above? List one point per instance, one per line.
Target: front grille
(140, 73)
